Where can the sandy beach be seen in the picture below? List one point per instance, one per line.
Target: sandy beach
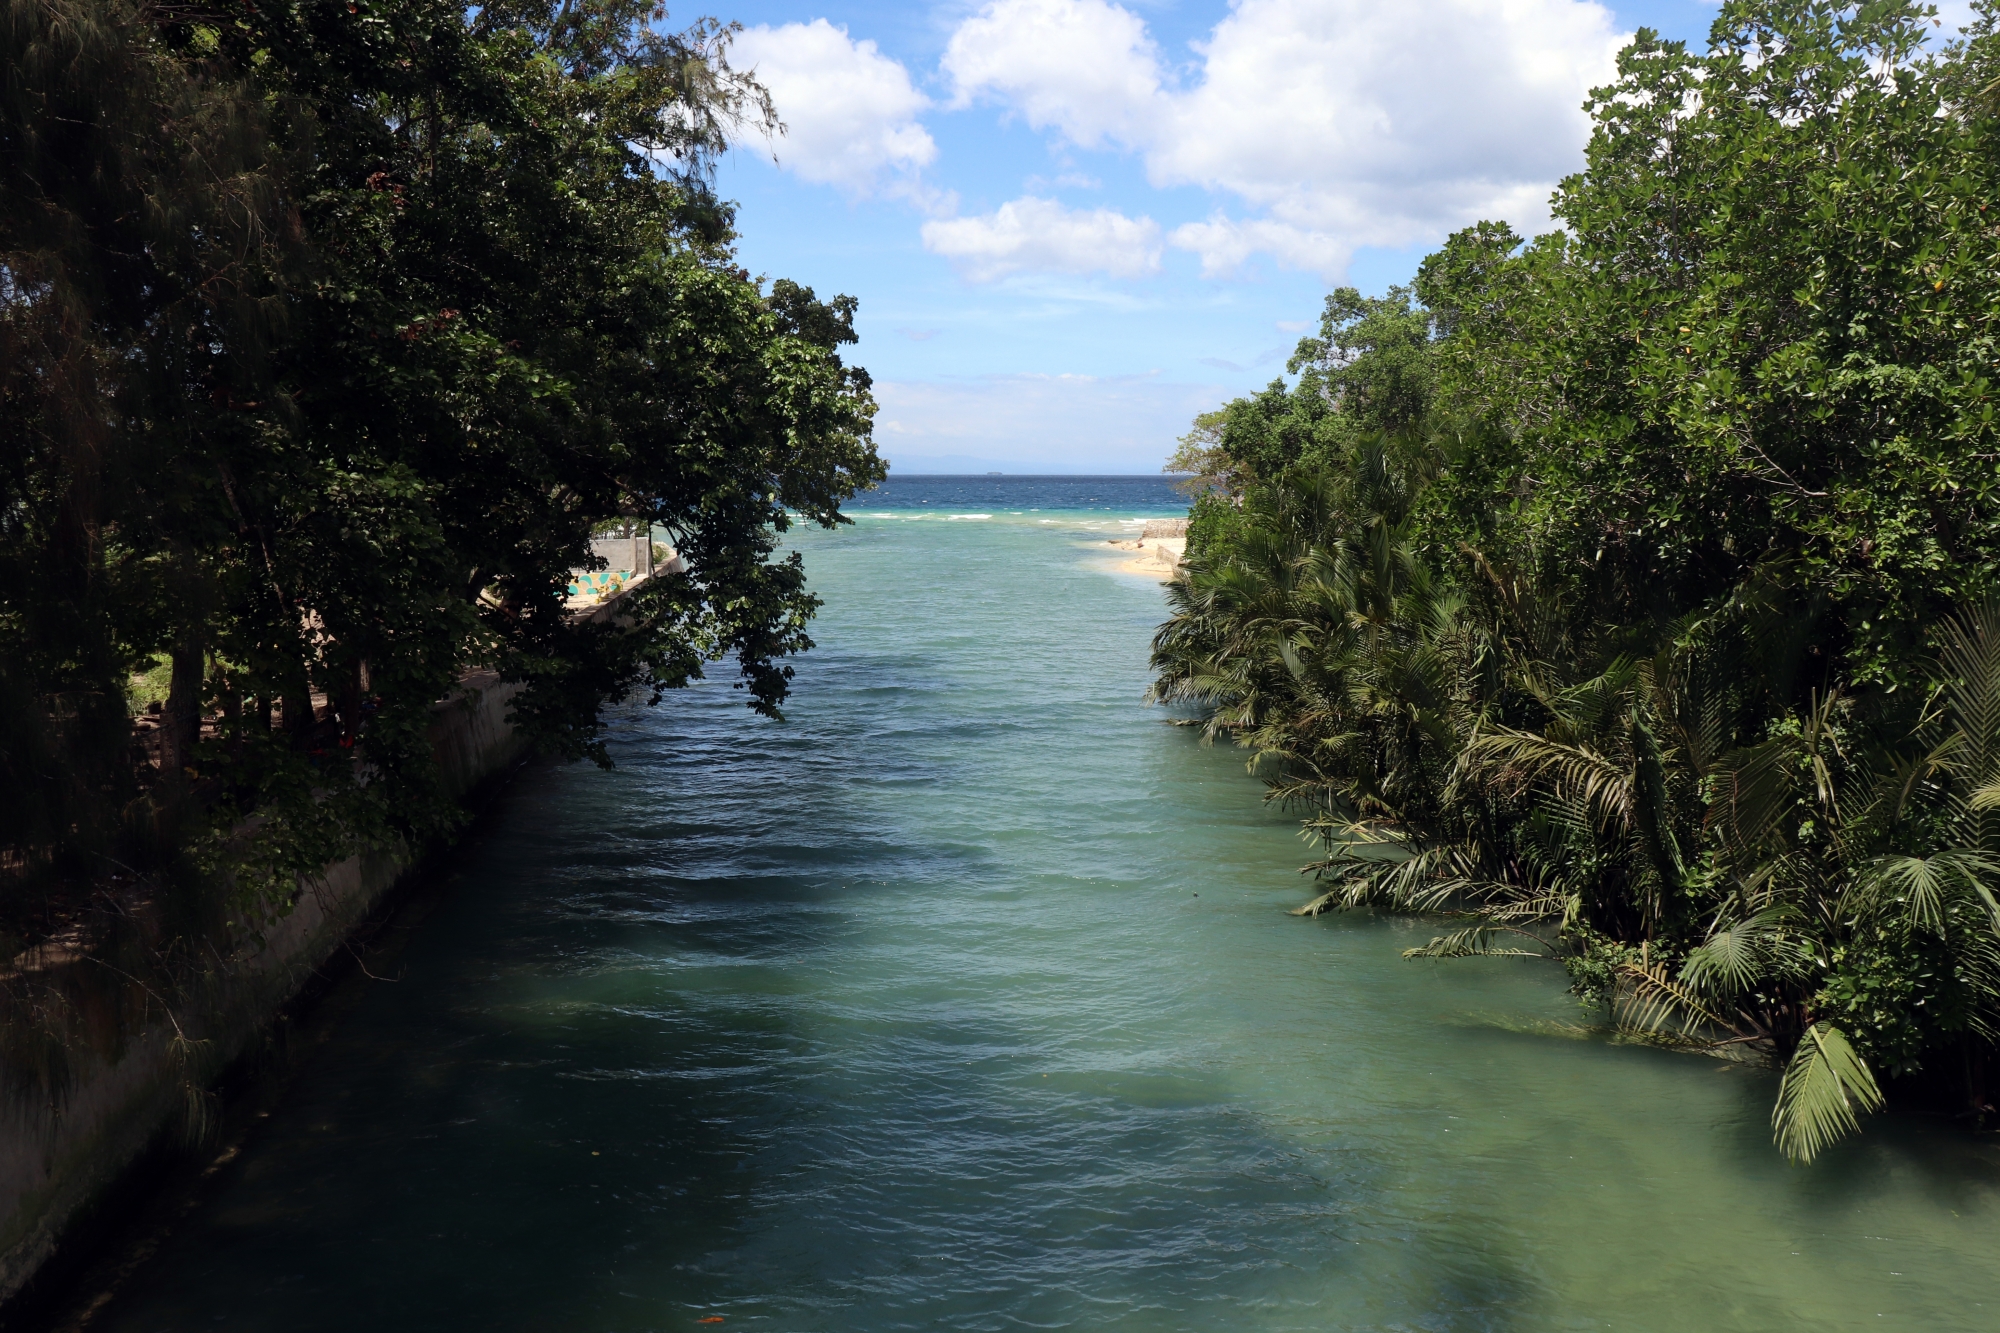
(1157, 556)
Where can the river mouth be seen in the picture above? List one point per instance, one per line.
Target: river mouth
(965, 999)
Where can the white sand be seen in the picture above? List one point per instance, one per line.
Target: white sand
(1159, 557)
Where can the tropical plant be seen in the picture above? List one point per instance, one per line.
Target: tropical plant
(1654, 637)
(1853, 917)
(1813, 889)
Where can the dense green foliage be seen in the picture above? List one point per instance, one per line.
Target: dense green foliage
(328, 332)
(1632, 591)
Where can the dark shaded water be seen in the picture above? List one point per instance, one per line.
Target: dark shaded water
(906, 1015)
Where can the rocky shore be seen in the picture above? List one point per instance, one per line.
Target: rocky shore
(1157, 550)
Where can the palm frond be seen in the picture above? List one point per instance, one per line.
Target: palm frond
(1825, 1086)
(1738, 957)
(1755, 796)
(1574, 771)
(1476, 942)
(1921, 889)
(1649, 1000)
(1725, 964)
(1529, 906)
(1986, 797)
(1970, 655)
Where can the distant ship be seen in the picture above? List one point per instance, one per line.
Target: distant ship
(996, 474)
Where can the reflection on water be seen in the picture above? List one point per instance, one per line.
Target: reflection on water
(965, 1000)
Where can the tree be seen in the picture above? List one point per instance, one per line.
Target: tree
(1766, 337)
(1670, 652)
(1367, 373)
(332, 333)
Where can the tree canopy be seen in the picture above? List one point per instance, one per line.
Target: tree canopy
(328, 333)
(1630, 592)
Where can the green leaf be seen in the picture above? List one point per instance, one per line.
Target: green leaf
(1472, 942)
(1825, 1087)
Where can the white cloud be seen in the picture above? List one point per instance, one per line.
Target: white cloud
(1224, 243)
(1339, 123)
(1041, 235)
(850, 112)
(1084, 67)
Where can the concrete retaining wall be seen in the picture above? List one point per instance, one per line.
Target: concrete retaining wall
(57, 1160)
(634, 555)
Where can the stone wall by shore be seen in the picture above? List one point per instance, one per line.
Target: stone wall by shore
(60, 1156)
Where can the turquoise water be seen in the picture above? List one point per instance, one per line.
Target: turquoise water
(966, 1000)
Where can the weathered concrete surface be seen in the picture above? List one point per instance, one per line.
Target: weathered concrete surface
(58, 1158)
(632, 554)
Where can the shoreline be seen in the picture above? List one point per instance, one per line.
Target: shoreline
(1153, 557)
(69, 1161)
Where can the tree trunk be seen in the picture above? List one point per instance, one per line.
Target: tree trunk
(297, 703)
(232, 718)
(180, 720)
(351, 687)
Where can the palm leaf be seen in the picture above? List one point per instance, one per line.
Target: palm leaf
(1649, 1000)
(1755, 796)
(1924, 887)
(1573, 771)
(1824, 1086)
(1970, 653)
(1729, 961)
(1326, 902)
(1986, 797)
(1474, 942)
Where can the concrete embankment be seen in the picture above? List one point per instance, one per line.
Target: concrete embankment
(62, 1153)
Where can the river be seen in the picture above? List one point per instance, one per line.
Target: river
(966, 999)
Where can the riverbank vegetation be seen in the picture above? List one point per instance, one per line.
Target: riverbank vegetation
(327, 334)
(1631, 592)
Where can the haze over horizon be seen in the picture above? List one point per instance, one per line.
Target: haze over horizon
(1073, 225)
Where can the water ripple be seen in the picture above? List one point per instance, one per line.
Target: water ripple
(963, 1000)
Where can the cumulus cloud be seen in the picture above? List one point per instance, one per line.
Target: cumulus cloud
(1338, 123)
(1034, 234)
(1224, 243)
(850, 112)
(1084, 67)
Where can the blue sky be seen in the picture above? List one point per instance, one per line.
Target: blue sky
(1073, 224)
